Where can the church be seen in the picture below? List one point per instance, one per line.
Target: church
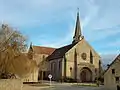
(77, 61)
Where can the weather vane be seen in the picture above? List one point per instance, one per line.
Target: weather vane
(78, 9)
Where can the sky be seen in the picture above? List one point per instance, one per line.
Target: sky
(51, 23)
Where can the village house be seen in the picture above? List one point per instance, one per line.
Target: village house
(112, 74)
(39, 54)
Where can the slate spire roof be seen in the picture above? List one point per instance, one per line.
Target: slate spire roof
(78, 33)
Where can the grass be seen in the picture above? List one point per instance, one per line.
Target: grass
(40, 84)
(86, 84)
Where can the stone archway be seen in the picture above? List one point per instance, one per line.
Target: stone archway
(86, 75)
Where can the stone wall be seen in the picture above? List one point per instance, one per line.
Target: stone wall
(32, 77)
(11, 84)
(110, 78)
(56, 68)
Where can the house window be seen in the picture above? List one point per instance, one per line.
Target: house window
(59, 65)
(43, 57)
(96, 71)
(70, 68)
(113, 71)
(117, 79)
(70, 71)
(52, 67)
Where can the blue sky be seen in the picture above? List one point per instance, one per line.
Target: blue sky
(51, 22)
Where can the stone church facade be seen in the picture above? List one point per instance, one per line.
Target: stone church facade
(77, 61)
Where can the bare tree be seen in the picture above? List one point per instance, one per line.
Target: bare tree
(12, 58)
(10, 37)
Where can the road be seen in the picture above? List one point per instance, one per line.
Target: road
(62, 87)
(70, 88)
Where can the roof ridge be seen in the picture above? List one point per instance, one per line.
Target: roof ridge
(67, 45)
(64, 46)
(115, 59)
(60, 52)
(44, 46)
(43, 50)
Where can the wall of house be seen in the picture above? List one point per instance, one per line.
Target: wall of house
(32, 77)
(109, 78)
(70, 69)
(39, 58)
(42, 64)
(56, 69)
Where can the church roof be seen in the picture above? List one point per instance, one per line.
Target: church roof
(43, 50)
(60, 52)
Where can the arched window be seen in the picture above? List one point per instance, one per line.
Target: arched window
(43, 57)
(59, 65)
(70, 68)
(53, 67)
(91, 57)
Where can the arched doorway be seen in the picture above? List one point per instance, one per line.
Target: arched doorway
(86, 75)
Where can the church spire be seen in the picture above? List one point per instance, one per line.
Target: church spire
(77, 34)
(30, 52)
(31, 46)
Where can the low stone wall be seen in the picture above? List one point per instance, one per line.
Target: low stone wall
(11, 84)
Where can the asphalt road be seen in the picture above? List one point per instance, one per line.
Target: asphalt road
(69, 87)
(59, 86)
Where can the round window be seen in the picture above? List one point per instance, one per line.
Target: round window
(70, 68)
(84, 56)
